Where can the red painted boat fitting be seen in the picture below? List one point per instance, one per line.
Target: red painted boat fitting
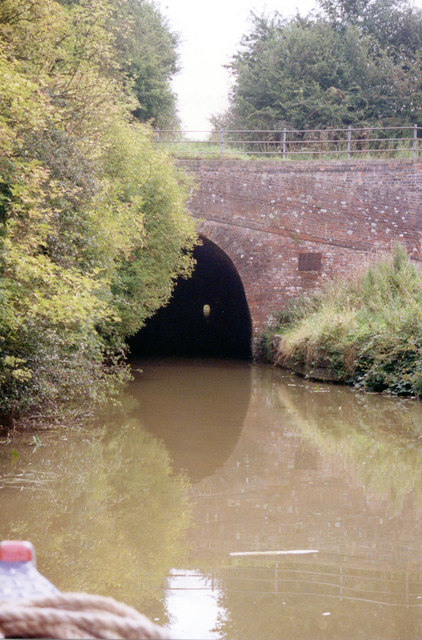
(19, 578)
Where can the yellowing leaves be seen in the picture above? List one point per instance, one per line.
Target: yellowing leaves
(93, 228)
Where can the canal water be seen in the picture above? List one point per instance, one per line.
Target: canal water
(232, 500)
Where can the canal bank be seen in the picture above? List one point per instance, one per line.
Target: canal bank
(364, 330)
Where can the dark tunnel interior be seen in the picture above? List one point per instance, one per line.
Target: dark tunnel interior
(208, 315)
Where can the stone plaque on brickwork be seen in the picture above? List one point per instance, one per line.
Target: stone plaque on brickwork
(310, 261)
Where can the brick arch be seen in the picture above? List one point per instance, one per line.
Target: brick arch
(287, 226)
(233, 243)
(207, 316)
(264, 263)
(227, 281)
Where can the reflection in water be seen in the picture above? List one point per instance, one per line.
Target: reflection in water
(194, 603)
(103, 509)
(198, 409)
(316, 602)
(374, 439)
(276, 463)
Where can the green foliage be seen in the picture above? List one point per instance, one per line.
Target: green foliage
(367, 327)
(329, 71)
(390, 24)
(93, 229)
(146, 51)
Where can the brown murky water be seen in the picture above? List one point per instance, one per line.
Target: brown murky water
(183, 502)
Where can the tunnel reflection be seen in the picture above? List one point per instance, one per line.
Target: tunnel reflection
(208, 315)
(195, 407)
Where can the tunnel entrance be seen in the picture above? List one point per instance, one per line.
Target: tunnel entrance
(208, 315)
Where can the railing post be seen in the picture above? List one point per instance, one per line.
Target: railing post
(284, 143)
(415, 141)
(349, 141)
(221, 142)
(157, 136)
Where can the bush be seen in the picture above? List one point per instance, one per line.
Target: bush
(367, 326)
(93, 227)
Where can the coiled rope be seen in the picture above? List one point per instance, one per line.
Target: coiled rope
(67, 616)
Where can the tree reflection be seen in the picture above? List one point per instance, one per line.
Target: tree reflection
(376, 440)
(312, 467)
(109, 518)
(316, 467)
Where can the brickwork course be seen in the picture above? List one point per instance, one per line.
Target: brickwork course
(287, 226)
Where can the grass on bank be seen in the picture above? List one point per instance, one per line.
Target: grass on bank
(366, 328)
(306, 152)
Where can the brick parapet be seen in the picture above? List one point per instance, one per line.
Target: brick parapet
(264, 213)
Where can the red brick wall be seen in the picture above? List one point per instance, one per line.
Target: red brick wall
(263, 214)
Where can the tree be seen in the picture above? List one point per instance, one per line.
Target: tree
(86, 204)
(146, 50)
(318, 72)
(392, 24)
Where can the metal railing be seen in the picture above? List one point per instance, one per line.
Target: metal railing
(296, 144)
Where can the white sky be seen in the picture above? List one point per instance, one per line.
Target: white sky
(210, 32)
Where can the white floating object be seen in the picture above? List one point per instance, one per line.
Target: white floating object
(291, 552)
